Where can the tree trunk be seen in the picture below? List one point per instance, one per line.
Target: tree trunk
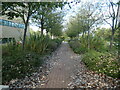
(119, 41)
(112, 38)
(42, 26)
(83, 34)
(47, 32)
(111, 42)
(88, 39)
(25, 31)
(41, 31)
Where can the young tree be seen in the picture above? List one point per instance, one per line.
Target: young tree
(47, 18)
(87, 16)
(113, 14)
(55, 24)
(24, 10)
(91, 18)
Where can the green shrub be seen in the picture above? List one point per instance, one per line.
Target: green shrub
(98, 44)
(17, 62)
(37, 43)
(77, 46)
(97, 57)
(52, 45)
(41, 44)
(102, 62)
(58, 41)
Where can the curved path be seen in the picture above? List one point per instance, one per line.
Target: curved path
(60, 75)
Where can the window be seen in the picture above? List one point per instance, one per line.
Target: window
(16, 25)
(0, 22)
(21, 26)
(7, 40)
(11, 24)
(5, 23)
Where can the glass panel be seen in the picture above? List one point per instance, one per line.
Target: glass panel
(21, 25)
(15, 25)
(10, 23)
(0, 21)
(5, 22)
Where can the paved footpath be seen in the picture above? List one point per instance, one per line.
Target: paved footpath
(65, 69)
(69, 71)
(59, 77)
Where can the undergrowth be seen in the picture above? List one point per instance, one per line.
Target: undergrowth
(16, 63)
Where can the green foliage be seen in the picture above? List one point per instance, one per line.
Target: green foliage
(26, 10)
(41, 44)
(58, 41)
(103, 33)
(54, 23)
(77, 47)
(97, 57)
(54, 43)
(74, 27)
(103, 63)
(37, 43)
(17, 62)
(96, 43)
(72, 33)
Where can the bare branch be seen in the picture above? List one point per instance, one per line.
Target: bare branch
(110, 12)
(112, 9)
(107, 22)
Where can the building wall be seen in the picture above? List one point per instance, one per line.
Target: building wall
(12, 30)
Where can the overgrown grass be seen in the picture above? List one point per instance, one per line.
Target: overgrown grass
(17, 63)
